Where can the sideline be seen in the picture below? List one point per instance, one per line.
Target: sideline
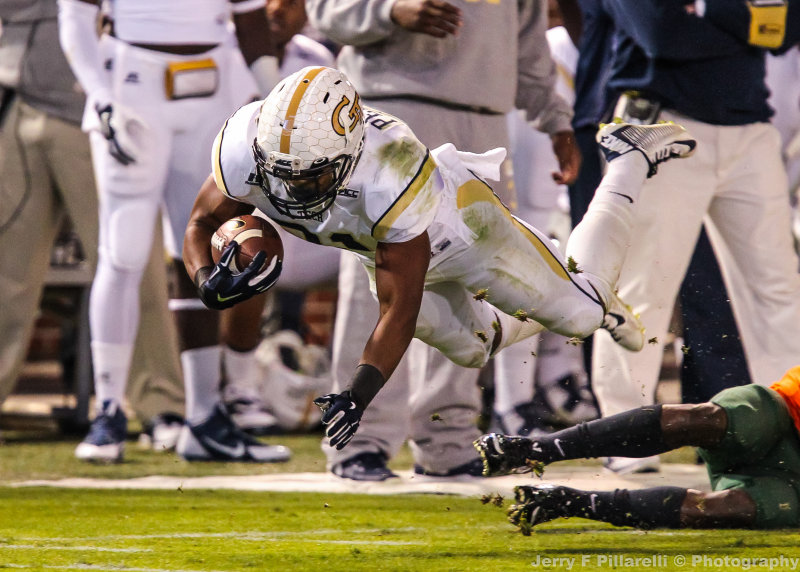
(591, 478)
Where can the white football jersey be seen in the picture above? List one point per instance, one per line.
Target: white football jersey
(173, 22)
(396, 191)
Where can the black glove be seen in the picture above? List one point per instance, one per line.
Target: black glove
(220, 288)
(114, 148)
(341, 416)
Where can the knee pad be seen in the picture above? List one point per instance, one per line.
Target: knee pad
(128, 233)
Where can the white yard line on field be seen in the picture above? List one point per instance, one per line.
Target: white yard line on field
(683, 475)
(249, 535)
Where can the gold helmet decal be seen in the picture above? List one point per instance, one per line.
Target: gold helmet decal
(354, 115)
(310, 125)
(291, 112)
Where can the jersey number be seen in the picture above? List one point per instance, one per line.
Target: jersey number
(342, 238)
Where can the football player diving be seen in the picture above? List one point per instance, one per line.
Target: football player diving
(447, 261)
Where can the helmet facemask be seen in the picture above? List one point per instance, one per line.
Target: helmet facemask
(310, 137)
(311, 191)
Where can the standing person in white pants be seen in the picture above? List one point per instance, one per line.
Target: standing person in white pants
(541, 382)
(783, 80)
(444, 68)
(735, 184)
(170, 65)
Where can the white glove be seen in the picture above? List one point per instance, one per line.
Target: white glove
(117, 124)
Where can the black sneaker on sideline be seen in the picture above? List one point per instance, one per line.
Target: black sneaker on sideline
(364, 467)
(219, 439)
(473, 468)
(105, 442)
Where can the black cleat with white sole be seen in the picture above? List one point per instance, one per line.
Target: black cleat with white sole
(538, 504)
(505, 455)
(219, 439)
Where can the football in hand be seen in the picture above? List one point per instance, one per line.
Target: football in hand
(254, 234)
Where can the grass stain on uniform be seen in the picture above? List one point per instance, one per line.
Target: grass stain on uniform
(402, 156)
(477, 222)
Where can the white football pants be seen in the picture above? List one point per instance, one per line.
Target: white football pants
(172, 150)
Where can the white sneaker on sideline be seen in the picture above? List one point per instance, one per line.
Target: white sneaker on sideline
(247, 408)
(631, 465)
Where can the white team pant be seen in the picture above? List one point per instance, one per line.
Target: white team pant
(172, 155)
(172, 161)
(736, 183)
(538, 204)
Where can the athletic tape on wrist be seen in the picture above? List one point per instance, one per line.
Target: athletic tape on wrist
(365, 384)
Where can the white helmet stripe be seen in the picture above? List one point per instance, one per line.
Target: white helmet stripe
(294, 104)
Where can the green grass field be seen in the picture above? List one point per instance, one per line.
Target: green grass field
(43, 528)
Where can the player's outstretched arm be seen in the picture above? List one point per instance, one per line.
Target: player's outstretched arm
(648, 430)
(400, 278)
(400, 270)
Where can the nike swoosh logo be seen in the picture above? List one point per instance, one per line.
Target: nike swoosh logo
(557, 443)
(237, 452)
(622, 195)
(620, 319)
(226, 298)
(592, 499)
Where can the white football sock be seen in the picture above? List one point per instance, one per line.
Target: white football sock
(600, 242)
(240, 367)
(201, 374)
(111, 363)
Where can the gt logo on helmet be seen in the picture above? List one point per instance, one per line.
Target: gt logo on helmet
(310, 133)
(355, 115)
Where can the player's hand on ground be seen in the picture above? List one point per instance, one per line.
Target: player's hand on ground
(220, 288)
(568, 155)
(504, 455)
(116, 123)
(436, 18)
(341, 417)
